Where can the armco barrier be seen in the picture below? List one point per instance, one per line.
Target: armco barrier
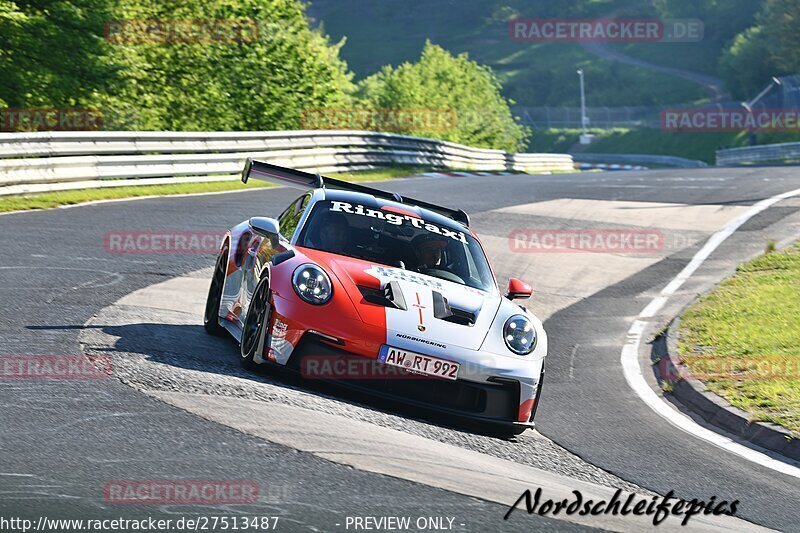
(759, 154)
(42, 161)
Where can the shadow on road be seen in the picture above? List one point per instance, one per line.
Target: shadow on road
(188, 347)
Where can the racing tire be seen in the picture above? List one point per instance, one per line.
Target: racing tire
(214, 300)
(255, 336)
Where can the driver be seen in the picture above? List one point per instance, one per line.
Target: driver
(428, 249)
(334, 235)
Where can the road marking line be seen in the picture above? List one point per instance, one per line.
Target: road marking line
(629, 357)
(662, 216)
(572, 362)
(653, 307)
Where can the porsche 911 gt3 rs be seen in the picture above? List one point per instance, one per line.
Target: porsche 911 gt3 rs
(384, 293)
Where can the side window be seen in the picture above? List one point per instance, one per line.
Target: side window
(289, 219)
(303, 203)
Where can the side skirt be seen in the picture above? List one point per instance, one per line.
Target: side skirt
(233, 329)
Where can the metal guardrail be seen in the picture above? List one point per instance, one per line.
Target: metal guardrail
(599, 117)
(631, 159)
(759, 154)
(42, 161)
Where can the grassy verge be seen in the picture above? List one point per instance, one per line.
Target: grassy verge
(694, 145)
(651, 141)
(556, 141)
(57, 199)
(743, 338)
(648, 141)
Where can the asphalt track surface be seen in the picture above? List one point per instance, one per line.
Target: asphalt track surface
(62, 440)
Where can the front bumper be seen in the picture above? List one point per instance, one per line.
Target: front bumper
(497, 400)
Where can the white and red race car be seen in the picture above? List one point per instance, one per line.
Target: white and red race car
(380, 292)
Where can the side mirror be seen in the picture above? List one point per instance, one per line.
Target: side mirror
(266, 227)
(518, 289)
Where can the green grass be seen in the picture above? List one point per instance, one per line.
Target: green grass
(58, 199)
(699, 145)
(553, 140)
(752, 317)
(701, 57)
(532, 73)
(543, 74)
(648, 141)
(380, 174)
(691, 145)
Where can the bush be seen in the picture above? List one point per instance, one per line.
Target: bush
(441, 81)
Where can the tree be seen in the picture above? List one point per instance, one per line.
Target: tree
(441, 82)
(721, 18)
(52, 53)
(769, 48)
(747, 65)
(262, 79)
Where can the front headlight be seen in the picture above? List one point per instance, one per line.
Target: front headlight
(312, 284)
(519, 334)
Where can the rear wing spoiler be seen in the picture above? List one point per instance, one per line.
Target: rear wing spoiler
(280, 175)
(305, 180)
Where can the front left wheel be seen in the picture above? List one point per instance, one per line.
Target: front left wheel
(256, 326)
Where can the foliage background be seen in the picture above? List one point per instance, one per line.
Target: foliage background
(55, 54)
(390, 54)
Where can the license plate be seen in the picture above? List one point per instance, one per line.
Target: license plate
(418, 363)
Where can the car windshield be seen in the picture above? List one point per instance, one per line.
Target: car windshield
(400, 238)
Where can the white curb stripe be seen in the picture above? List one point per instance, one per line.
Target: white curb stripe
(629, 357)
(467, 174)
(603, 166)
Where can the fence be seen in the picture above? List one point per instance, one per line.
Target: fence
(759, 154)
(783, 95)
(599, 117)
(48, 161)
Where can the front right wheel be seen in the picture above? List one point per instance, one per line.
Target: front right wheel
(214, 300)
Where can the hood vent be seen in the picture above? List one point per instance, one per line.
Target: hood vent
(389, 296)
(392, 296)
(443, 311)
